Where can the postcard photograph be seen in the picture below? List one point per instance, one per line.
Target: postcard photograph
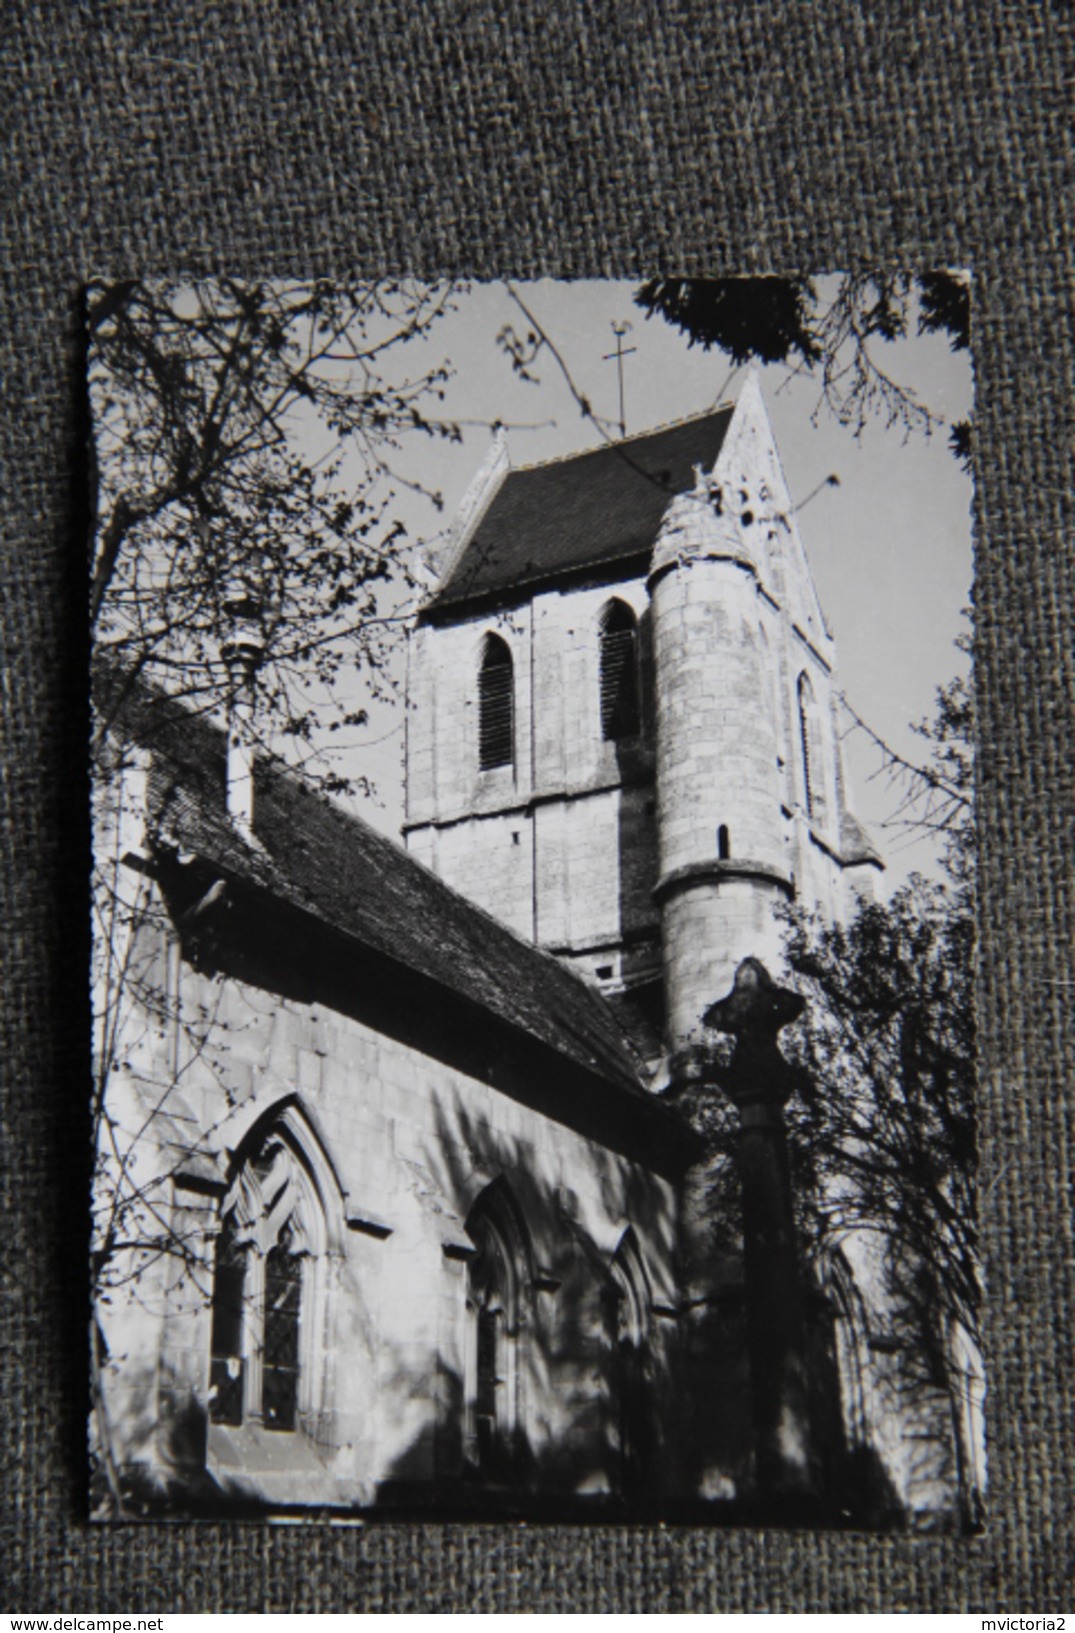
(533, 902)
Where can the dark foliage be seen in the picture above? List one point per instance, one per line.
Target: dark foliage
(764, 318)
(786, 320)
(246, 436)
(885, 1140)
(945, 306)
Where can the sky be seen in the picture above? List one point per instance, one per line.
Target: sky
(890, 546)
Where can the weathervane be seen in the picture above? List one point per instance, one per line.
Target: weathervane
(622, 351)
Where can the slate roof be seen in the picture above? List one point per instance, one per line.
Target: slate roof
(314, 856)
(591, 511)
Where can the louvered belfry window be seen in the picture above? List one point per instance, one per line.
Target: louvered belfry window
(496, 706)
(619, 673)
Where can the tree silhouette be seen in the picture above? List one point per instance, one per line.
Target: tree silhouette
(245, 441)
(246, 438)
(787, 320)
(885, 1142)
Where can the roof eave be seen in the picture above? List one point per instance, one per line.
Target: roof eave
(609, 570)
(640, 1127)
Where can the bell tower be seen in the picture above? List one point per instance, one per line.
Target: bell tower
(620, 730)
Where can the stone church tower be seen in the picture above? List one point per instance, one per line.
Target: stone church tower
(620, 735)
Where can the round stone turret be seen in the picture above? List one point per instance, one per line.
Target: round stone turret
(707, 523)
(721, 842)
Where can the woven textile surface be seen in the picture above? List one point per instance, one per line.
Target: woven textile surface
(594, 139)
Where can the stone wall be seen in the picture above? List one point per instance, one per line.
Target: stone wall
(561, 845)
(409, 1145)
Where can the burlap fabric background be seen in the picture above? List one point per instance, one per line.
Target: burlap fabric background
(577, 139)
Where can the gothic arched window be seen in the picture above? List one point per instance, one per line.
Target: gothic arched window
(620, 712)
(496, 705)
(496, 1276)
(270, 1250)
(812, 749)
(851, 1335)
(629, 1324)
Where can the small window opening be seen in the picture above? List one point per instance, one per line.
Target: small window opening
(620, 715)
(496, 706)
(603, 972)
(724, 843)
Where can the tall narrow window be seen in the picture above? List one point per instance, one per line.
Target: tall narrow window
(851, 1333)
(630, 1391)
(271, 1241)
(226, 1341)
(489, 1380)
(809, 748)
(280, 1363)
(494, 1288)
(619, 672)
(496, 706)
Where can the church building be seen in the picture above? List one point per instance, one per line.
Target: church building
(396, 1207)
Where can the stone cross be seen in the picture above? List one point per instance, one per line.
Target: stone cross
(760, 1081)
